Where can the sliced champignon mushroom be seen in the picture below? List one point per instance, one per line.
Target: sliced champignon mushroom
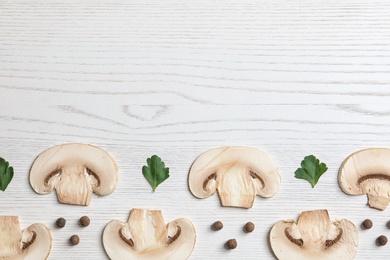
(367, 172)
(314, 236)
(32, 243)
(145, 236)
(238, 173)
(74, 171)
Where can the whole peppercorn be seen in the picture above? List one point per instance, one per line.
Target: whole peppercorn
(231, 244)
(74, 240)
(249, 227)
(381, 240)
(60, 223)
(367, 224)
(388, 224)
(84, 221)
(217, 225)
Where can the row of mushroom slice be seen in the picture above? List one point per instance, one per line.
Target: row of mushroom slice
(237, 173)
(146, 236)
(75, 171)
(241, 173)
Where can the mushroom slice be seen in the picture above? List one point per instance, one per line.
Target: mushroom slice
(31, 243)
(314, 237)
(238, 173)
(74, 171)
(145, 236)
(367, 172)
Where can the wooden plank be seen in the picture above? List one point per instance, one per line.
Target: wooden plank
(177, 78)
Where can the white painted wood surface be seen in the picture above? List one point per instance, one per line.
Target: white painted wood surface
(176, 78)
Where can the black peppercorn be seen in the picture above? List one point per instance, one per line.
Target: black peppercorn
(60, 223)
(367, 224)
(217, 225)
(231, 244)
(74, 240)
(381, 240)
(249, 227)
(84, 221)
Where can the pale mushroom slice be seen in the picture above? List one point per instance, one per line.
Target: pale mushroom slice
(238, 173)
(367, 172)
(314, 237)
(145, 236)
(75, 171)
(32, 243)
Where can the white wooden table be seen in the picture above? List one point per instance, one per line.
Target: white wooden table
(177, 78)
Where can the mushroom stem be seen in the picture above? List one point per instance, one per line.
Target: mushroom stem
(377, 202)
(73, 186)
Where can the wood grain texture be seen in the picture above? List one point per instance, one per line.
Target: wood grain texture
(176, 78)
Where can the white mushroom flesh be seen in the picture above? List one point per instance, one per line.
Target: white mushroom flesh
(30, 244)
(10, 236)
(237, 173)
(75, 171)
(145, 236)
(74, 186)
(314, 237)
(236, 188)
(367, 172)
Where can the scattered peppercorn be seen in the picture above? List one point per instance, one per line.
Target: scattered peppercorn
(84, 221)
(231, 244)
(60, 223)
(249, 227)
(381, 240)
(217, 225)
(388, 224)
(367, 224)
(74, 240)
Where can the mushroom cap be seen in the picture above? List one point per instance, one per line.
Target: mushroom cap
(314, 236)
(367, 172)
(74, 157)
(145, 236)
(32, 243)
(234, 169)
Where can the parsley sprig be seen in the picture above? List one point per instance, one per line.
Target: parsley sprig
(155, 172)
(6, 174)
(311, 170)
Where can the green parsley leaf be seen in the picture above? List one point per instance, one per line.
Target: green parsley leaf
(311, 170)
(155, 172)
(6, 174)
